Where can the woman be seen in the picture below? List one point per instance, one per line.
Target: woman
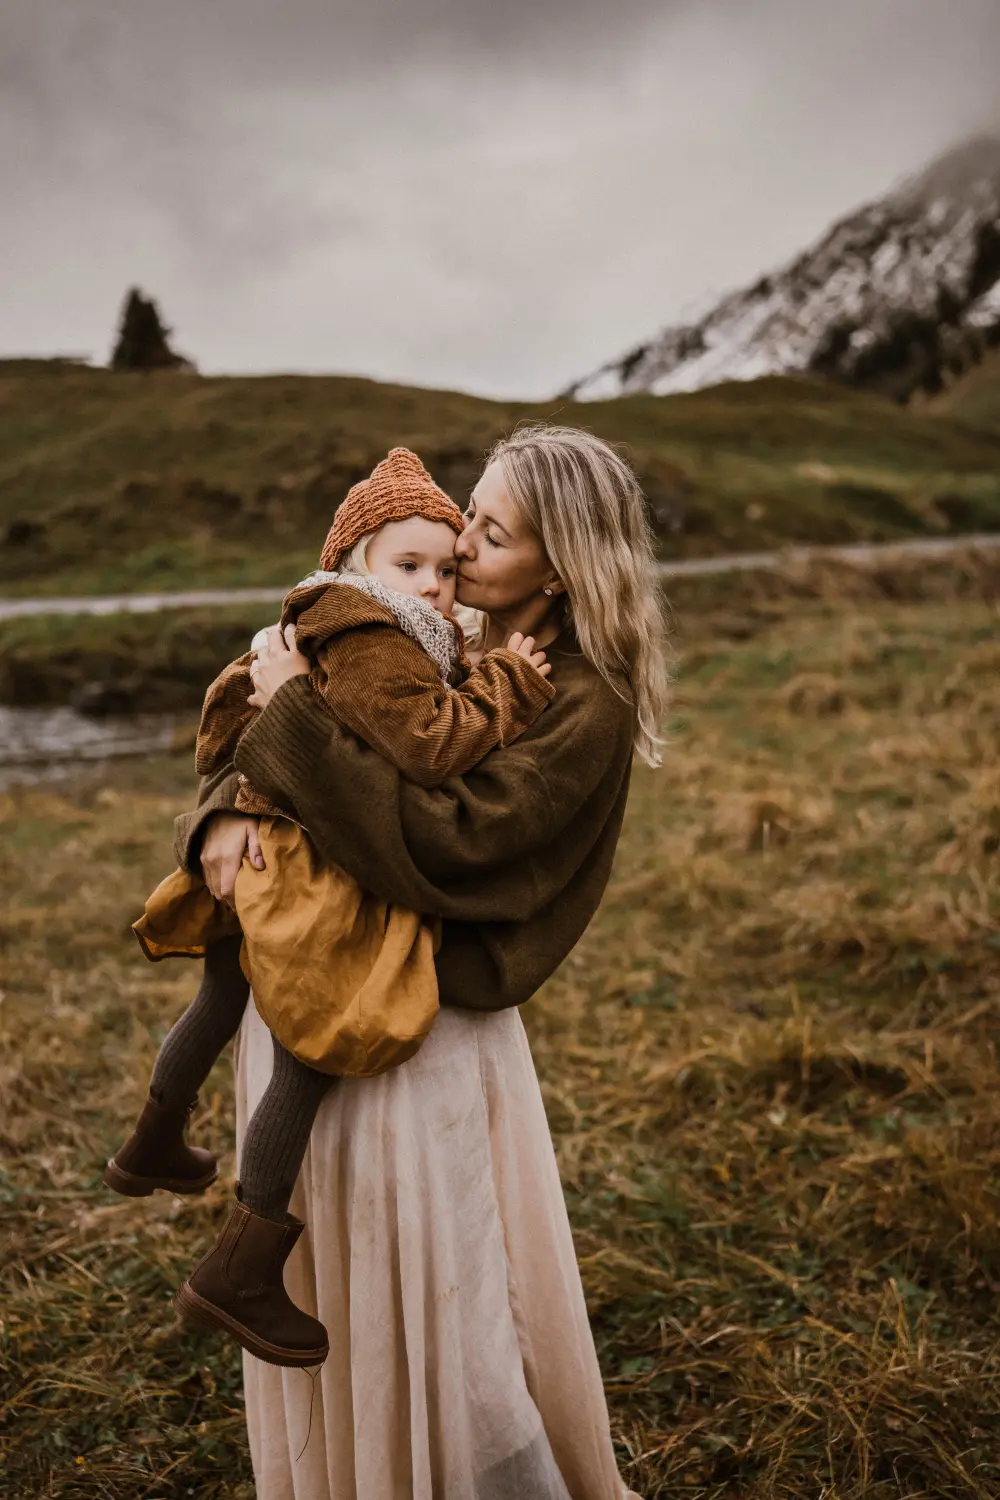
(438, 1250)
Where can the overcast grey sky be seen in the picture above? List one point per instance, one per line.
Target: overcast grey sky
(495, 195)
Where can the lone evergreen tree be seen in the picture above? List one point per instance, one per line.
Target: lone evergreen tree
(143, 342)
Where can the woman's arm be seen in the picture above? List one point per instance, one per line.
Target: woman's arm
(383, 686)
(494, 845)
(216, 794)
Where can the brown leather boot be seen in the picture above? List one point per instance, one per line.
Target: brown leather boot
(157, 1156)
(239, 1288)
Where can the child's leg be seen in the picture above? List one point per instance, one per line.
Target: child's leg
(156, 1154)
(238, 1287)
(210, 1021)
(278, 1134)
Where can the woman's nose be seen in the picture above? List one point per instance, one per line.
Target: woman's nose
(463, 547)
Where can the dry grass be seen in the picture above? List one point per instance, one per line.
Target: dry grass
(770, 1071)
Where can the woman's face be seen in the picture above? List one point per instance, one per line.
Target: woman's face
(501, 563)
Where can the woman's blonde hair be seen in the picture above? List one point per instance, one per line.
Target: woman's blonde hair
(583, 502)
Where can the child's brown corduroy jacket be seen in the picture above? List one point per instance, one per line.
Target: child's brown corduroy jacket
(402, 709)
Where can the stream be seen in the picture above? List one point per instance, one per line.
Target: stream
(49, 744)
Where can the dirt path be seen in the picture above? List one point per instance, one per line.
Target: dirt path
(741, 562)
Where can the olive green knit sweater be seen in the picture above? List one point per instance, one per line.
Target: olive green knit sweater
(514, 856)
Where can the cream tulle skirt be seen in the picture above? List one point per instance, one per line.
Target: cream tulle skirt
(438, 1253)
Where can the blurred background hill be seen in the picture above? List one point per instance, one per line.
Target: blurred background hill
(119, 481)
(975, 399)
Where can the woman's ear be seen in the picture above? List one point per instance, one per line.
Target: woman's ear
(554, 588)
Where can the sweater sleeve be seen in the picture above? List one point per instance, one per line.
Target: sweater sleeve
(217, 793)
(498, 843)
(224, 716)
(387, 690)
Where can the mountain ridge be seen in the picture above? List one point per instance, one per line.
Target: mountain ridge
(898, 297)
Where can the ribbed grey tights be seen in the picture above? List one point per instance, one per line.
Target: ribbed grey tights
(210, 1021)
(278, 1132)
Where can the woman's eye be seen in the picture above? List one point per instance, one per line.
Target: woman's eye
(492, 540)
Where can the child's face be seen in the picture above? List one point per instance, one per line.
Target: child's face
(416, 556)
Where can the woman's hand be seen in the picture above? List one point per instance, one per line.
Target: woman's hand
(524, 645)
(228, 836)
(278, 660)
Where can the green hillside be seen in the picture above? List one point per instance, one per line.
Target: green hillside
(112, 481)
(975, 399)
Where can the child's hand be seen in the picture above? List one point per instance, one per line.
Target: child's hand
(524, 645)
(278, 659)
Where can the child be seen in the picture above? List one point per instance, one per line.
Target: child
(345, 981)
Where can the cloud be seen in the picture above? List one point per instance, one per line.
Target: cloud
(449, 191)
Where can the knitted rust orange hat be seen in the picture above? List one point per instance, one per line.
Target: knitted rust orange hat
(396, 488)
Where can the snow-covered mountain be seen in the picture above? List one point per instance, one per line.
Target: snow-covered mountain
(895, 298)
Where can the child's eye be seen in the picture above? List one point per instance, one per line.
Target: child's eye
(408, 567)
(448, 571)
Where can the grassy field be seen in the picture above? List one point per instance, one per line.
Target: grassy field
(770, 1070)
(111, 481)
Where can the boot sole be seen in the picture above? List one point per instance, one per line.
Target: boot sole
(195, 1309)
(131, 1186)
